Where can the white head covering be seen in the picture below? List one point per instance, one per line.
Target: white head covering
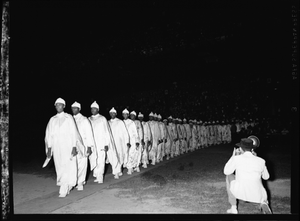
(159, 116)
(95, 105)
(140, 115)
(170, 117)
(125, 111)
(155, 115)
(60, 100)
(133, 112)
(113, 110)
(151, 115)
(76, 104)
(165, 120)
(184, 120)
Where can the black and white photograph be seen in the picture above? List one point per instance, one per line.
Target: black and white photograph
(152, 107)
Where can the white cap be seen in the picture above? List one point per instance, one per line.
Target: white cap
(151, 115)
(184, 120)
(60, 100)
(133, 112)
(125, 111)
(165, 120)
(113, 110)
(95, 105)
(155, 115)
(159, 116)
(179, 120)
(140, 115)
(170, 117)
(76, 104)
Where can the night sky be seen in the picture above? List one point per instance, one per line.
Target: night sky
(97, 50)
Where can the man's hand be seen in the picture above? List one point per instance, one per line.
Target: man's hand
(137, 144)
(106, 148)
(148, 143)
(89, 151)
(143, 143)
(166, 140)
(49, 152)
(128, 145)
(74, 151)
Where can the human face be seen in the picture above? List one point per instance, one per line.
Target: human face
(75, 110)
(112, 115)
(132, 116)
(94, 111)
(59, 107)
(140, 118)
(125, 116)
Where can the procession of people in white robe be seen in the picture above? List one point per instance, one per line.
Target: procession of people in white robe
(125, 144)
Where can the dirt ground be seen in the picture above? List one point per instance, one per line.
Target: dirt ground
(38, 194)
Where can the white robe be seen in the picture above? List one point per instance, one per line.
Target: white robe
(133, 139)
(156, 136)
(161, 146)
(102, 139)
(138, 156)
(169, 141)
(175, 143)
(61, 137)
(85, 130)
(180, 136)
(121, 138)
(147, 137)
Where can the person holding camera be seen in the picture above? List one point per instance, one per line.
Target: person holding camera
(246, 183)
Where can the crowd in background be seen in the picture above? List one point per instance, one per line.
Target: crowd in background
(230, 99)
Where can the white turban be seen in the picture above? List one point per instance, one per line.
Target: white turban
(155, 115)
(159, 116)
(60, 101)
(184, 120)
(133, 112)
(140, 115)
(76, 104)
(125, 111)
(113, 110)
(95, 105)
(151, 115)
(170, 117)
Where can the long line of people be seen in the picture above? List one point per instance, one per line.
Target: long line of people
(126, 144)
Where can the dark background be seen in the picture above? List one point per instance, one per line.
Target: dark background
(109, 51)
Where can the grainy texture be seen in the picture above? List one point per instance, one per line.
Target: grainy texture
(4, 92)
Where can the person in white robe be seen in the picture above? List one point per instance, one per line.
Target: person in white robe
(61, 142)
(171, 136)
(147, 140)
(156, 138)
(121, 138)
(202, 134)
(175, 139)
(161, 146)
(86, 133)
(138, 154)
(184, 137)
(194, 135)
(180, 136)
(169, 139)
(188, 134)
(102, 141)
(133, 140)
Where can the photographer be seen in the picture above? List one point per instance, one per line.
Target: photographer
(246, 183)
